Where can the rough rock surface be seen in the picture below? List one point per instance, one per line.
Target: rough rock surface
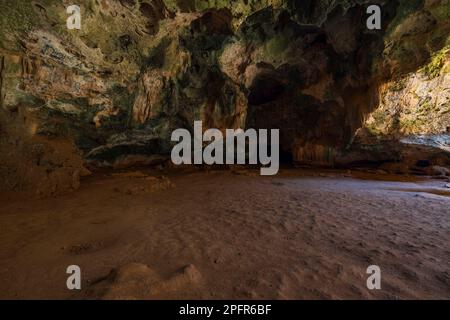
(138, 69)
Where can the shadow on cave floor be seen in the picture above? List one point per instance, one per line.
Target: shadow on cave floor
(304, 234)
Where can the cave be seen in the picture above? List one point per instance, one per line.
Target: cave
(356, 121)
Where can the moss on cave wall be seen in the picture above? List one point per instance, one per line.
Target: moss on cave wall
(18, 18)
(437, 62)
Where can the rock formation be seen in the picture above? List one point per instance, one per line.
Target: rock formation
(137, 69)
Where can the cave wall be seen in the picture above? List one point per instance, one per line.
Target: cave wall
(112, 92)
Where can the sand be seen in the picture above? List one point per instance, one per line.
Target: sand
(229, 235)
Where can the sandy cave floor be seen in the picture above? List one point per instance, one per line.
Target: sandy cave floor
(218, 234)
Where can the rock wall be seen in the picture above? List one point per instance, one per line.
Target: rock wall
(138, 69)
(417, 103)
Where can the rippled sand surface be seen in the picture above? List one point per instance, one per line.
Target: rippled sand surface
(219, 234)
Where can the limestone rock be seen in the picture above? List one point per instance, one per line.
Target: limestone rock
(137, 70)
